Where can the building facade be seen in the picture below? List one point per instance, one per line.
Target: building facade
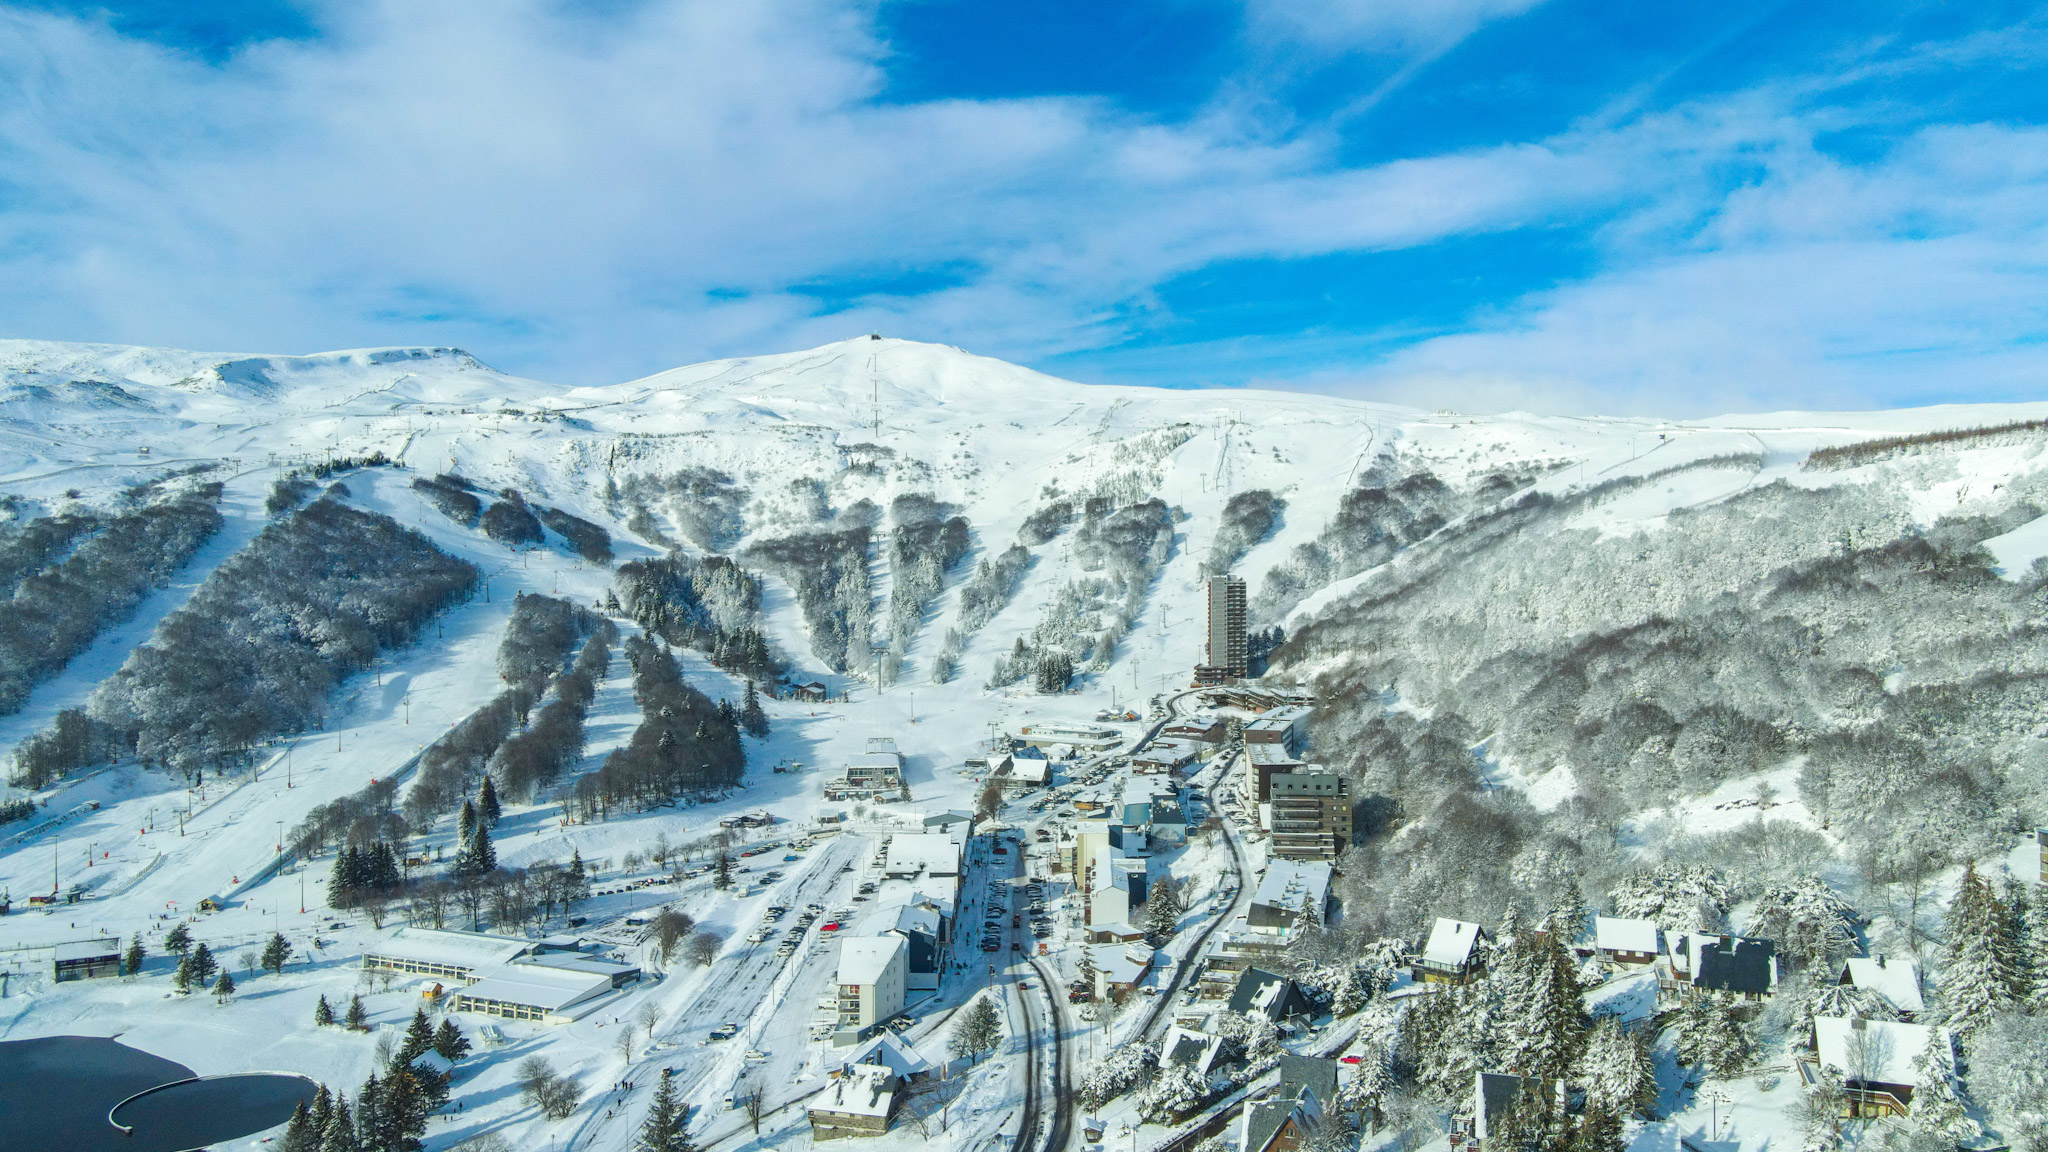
(1227, 654)
(1311, 815)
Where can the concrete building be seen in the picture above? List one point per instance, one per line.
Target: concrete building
(533, 992)
(444, 953)
(873, 976)
(1262, 762)
(86, 960)
(1286, 726)
(1226, 656)
(1310, 815)
(876, 775)
(1164, 756)
(860, 1102)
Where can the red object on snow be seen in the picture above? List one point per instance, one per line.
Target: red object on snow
(1351, 1060)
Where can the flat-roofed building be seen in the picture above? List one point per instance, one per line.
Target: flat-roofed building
(532, 992)
(1227, 656)
(1262, 762)
(1287, 887)
(1286, 726)
(1310, 817)
(872, 977)
(86, 960)
(443, 953)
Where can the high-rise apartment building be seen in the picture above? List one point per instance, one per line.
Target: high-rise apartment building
(1227, 656)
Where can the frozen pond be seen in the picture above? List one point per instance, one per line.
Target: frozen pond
(56, 1093)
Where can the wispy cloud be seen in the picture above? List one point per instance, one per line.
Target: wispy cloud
(588, 198)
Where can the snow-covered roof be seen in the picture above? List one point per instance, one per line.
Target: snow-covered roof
(433, 1061)
(917, 918)
(547, 989)
(888, 1050)
(1895, 978)
(1122, 963)
(1031, 771)
(1271, 754)
(863, 959)
(1190, 1046)
(576, 962)
(1873, 1050)
(473, 950)
(1450, 941)
(1288, 884)
(934, 853)
(87, 950)
(863, 1090)
(1615, 934)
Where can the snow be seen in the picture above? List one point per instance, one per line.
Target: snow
(988, 438)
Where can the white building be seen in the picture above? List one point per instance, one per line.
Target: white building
(1895, 978)
(532, 992)
(1287, 887)
(872, 980)
(443, 953)
(1626, 941)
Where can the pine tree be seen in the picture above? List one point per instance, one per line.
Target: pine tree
(369, 1114)
(578, 887)
(465, 822)
(488, 809)
(1616, 1069)
(340, 1133)
(276, 952)
(356, 1015)
(1937, 1094)
(402, 1107)
(341, 882)
(1709, 1038)
(1366, 1091)
(1598, 1130)
(449, 1041)
(728, 713)
(299, 1133)
(323, 1012)
(323, 1111)
(663, 1130)
(419, 1039)
(178, 939)
(183, 979)
(2034, 940)
(203, 964)
(1569, 919)
(483, 857)
(752, 718)
(223, 988)
(1978, 974)
(1553, 1028)
(131, 961)
(979, 1031)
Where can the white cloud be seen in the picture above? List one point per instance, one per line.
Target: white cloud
(1392, 26)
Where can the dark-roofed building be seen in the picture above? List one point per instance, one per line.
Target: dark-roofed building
(1742, 966)
(1189, 1046)
(87, 960)
(1490, 1114)
(1310, 1074)
(1278, 1124)
(1272, 995)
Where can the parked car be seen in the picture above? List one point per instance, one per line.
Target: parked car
(725, 1032)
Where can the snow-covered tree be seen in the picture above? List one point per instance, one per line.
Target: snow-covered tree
(1710, 1038)
(1366, 1090)
(2008, 1075)
(664, 1128)
(276, 951)
(979, 1031)
(1116, 1072)
(131, 960)
(1616, 1069)
(1979, 971)
(488, 810)
(224, 987)
(323, 1012)
(1678, 897)
(1810, 923)
(1938, 1108)
(1176, 1090)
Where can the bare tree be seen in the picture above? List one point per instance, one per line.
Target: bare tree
(757, 1106)
(554, 1094)
(667, 932)
(660, 852)
(649, 1017)
(703, 947)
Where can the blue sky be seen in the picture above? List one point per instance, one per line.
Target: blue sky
(1482, 204)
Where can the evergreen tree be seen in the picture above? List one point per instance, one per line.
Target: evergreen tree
(578, 887)
(727, 712)
(369, 1114)
(402, 1108)
(1162, 920)
(1979, 973)
(488, 809)
(1709, 1038)
(419, 1039)
(131, 961)
(1366, 1092)
(1937, 1094)
(323, 1012)
(178, 939)
(299, 1133)
(722, 878)
(342, 882)
(382, 868)
(322, 1112)
(1570, 918)
(1552, 1024)
(2034, 946)
(223, 988)
(276, 952)
(1617, 1070)
(356, 1015)
(465, 823)
(183, 979)
(449, 1041)
(340, 1133)
(979, 1031)
(203, 964)
(753, 720)
(663, 1130)
(1598, 1130)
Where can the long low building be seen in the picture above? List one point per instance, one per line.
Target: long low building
(531, 992)
(447, 954)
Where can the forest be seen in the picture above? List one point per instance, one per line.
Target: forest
(685, 745)
(76, 575)
(828, 570)
(710, 604)
(257, 651)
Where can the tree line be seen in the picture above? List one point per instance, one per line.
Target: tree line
(683, 746)
(710, 604)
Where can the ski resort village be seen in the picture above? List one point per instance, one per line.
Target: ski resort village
(886, 745)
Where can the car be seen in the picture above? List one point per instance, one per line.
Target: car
(898, 1022)
(831, 927)
(1354, 1058)
(756, 1055)
(725, 1031)
(791, 858)
(846, 868)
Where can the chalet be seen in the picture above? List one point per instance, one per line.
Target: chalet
(1490, 1114)
(1022, 770)
(1623, 941)
(1286, 1120)
(1874, 1060)
(813, 692)
(860, 1102)
(888, 1050)
(1198, 729)
(1452, 953)
(1895, 978)
(1164, 756)
(1737, 965)
(1192, 1047)
(1273, 996)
